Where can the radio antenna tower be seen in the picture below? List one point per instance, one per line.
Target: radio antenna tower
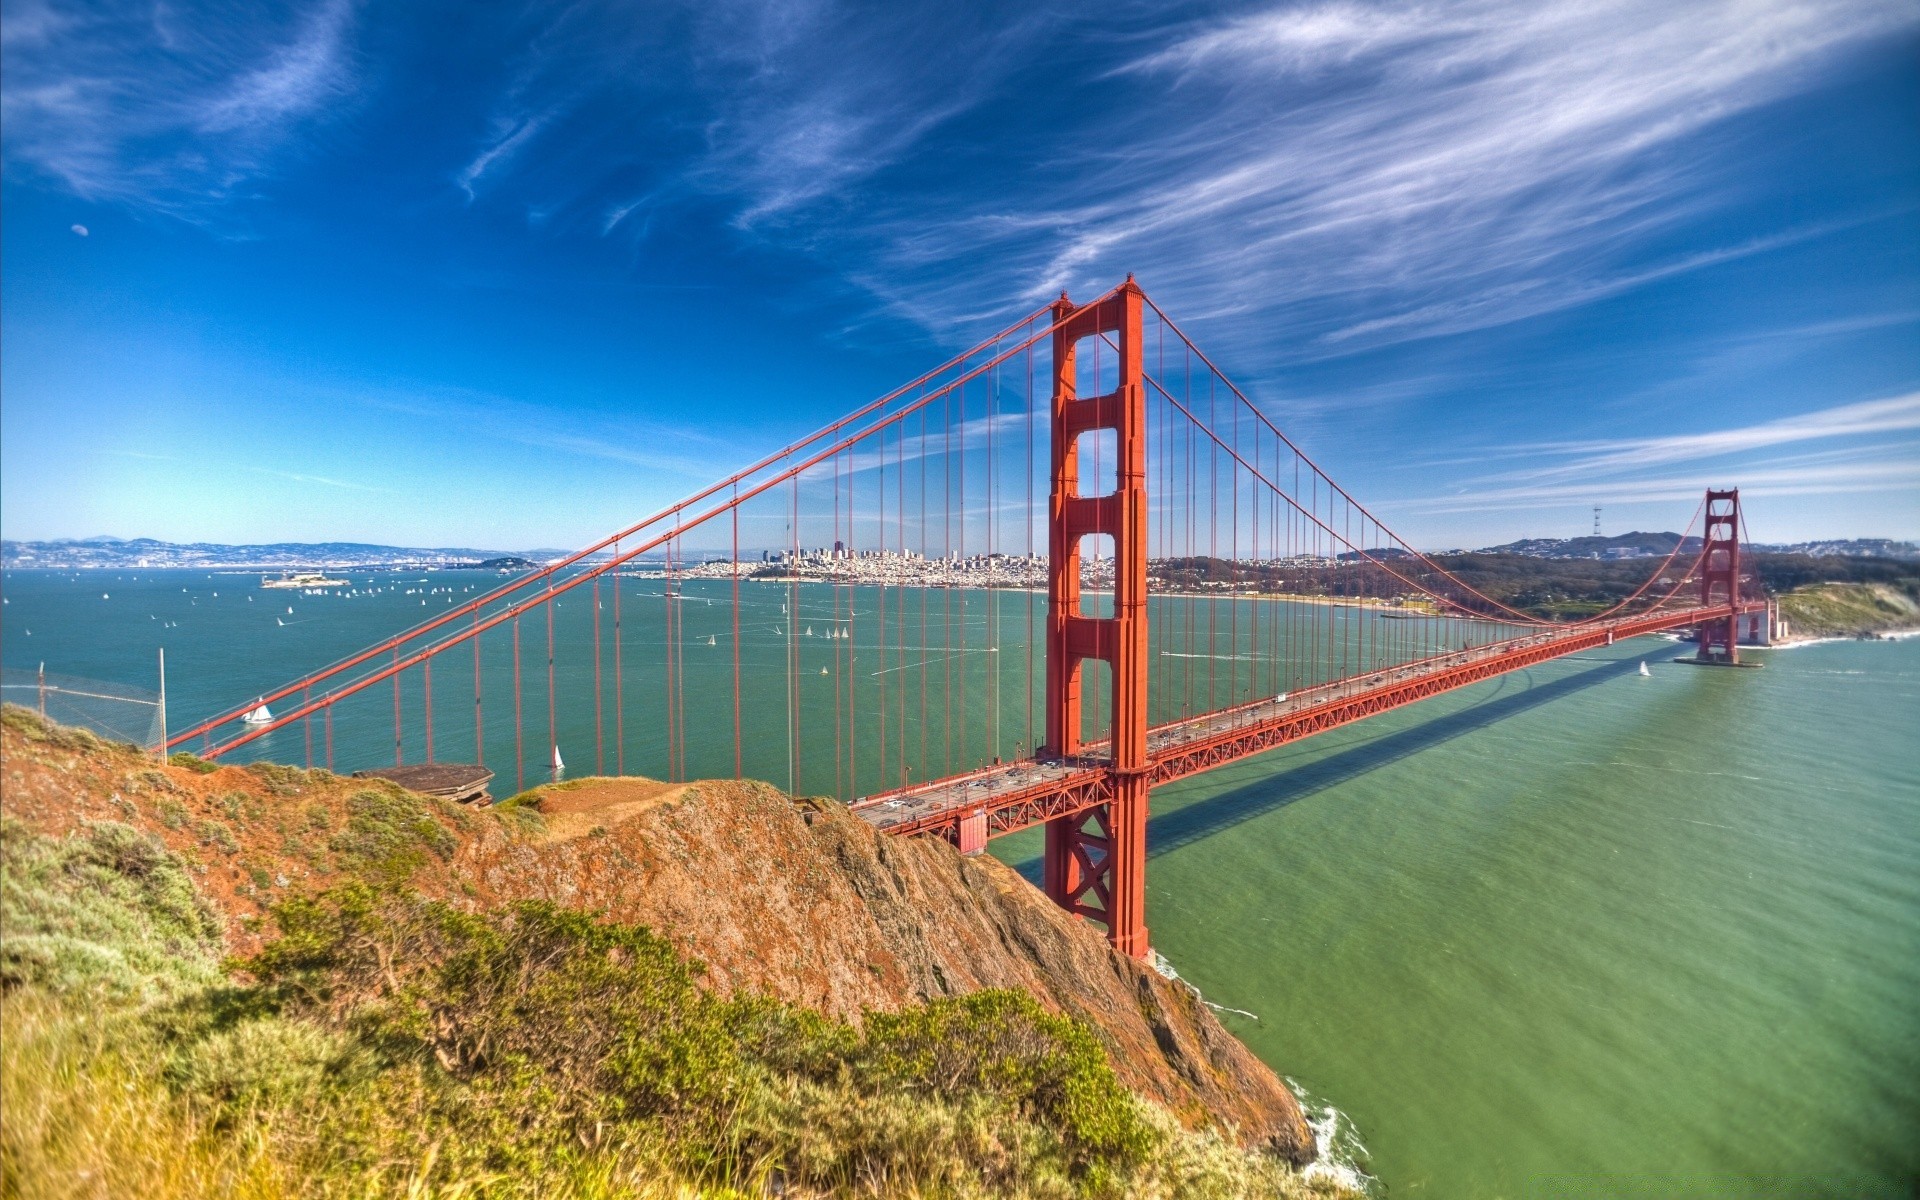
(1596, 520)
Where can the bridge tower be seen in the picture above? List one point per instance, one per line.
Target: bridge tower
(1095, 862)
(1720, 578)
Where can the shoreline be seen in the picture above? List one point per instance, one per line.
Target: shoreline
(980, 586)
(1876, 635)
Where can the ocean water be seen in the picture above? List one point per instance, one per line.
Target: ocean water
(1575, 932)
(1571, 932)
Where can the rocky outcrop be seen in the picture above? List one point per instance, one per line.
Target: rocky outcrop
(810, 903)
(801, 900)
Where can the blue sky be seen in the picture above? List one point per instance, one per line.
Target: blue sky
(507, 276)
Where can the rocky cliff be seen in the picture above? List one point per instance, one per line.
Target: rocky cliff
(798, 899)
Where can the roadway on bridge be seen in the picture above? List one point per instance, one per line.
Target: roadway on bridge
(1030, 783)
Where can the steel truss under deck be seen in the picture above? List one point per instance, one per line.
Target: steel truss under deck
(999, 800)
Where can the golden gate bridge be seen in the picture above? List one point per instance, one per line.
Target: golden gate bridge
(1066, 565)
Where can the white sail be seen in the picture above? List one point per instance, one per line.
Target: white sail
(559, 764)
(260, 715)
(1643, 669)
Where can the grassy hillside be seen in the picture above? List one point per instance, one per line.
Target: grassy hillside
(1847, 609)
(366, 1037)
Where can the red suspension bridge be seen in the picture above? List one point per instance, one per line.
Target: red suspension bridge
(1071, 563)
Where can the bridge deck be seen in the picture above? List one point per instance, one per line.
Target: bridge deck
(1018, 795)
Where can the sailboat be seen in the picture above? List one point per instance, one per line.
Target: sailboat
(809, 631)
(258, 715)
(711, 640)
(559, 764)
(1644, 672)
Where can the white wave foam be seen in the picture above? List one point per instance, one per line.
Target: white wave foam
(1337, 1150)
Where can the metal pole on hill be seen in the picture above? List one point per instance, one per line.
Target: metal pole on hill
(163, 704)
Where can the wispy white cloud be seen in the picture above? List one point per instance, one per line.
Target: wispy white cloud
(255, 469)
(1856, 478)
(1599, 458)
(816, 97)
(1364, 174)
(297, 78)
(683, 450)
(322, 480)
(511, 135)
(1304, 38)
(146, 106)
(1876, 454)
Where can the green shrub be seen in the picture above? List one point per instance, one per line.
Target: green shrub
(104, 909)
(193, 762)
(521, 812)
(260, 1061)
(567, 1031)
(214, 833)
(389, 834)
(280, 779)
(1000, 1042)
(387, 1045)
(36, 728)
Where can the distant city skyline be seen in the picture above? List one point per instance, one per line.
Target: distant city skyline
(470, 276)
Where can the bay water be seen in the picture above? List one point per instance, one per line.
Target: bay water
(1570, 932)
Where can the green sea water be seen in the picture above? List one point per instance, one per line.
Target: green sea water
(1575, 932)
(1571, 932)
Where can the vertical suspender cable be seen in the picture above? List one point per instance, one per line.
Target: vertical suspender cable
(479, 727)
(397, 757)
(735, 575)
(519, 723)
(619, 681)
(599, 718)
(553, 725)
(426, 676)
(793, 614)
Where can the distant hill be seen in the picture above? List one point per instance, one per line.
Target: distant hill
(1847, 548)
(1625, 545)
(1659, 545)
(133, 553)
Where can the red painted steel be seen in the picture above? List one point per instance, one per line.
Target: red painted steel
(1071, 787)
(1312, 547)
(789, 475)
(552, 570)
(1720, 577)
(1102, 855)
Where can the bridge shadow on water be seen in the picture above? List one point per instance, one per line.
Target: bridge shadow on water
(1287, 785)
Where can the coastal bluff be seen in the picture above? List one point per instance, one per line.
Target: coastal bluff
(795, 898)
